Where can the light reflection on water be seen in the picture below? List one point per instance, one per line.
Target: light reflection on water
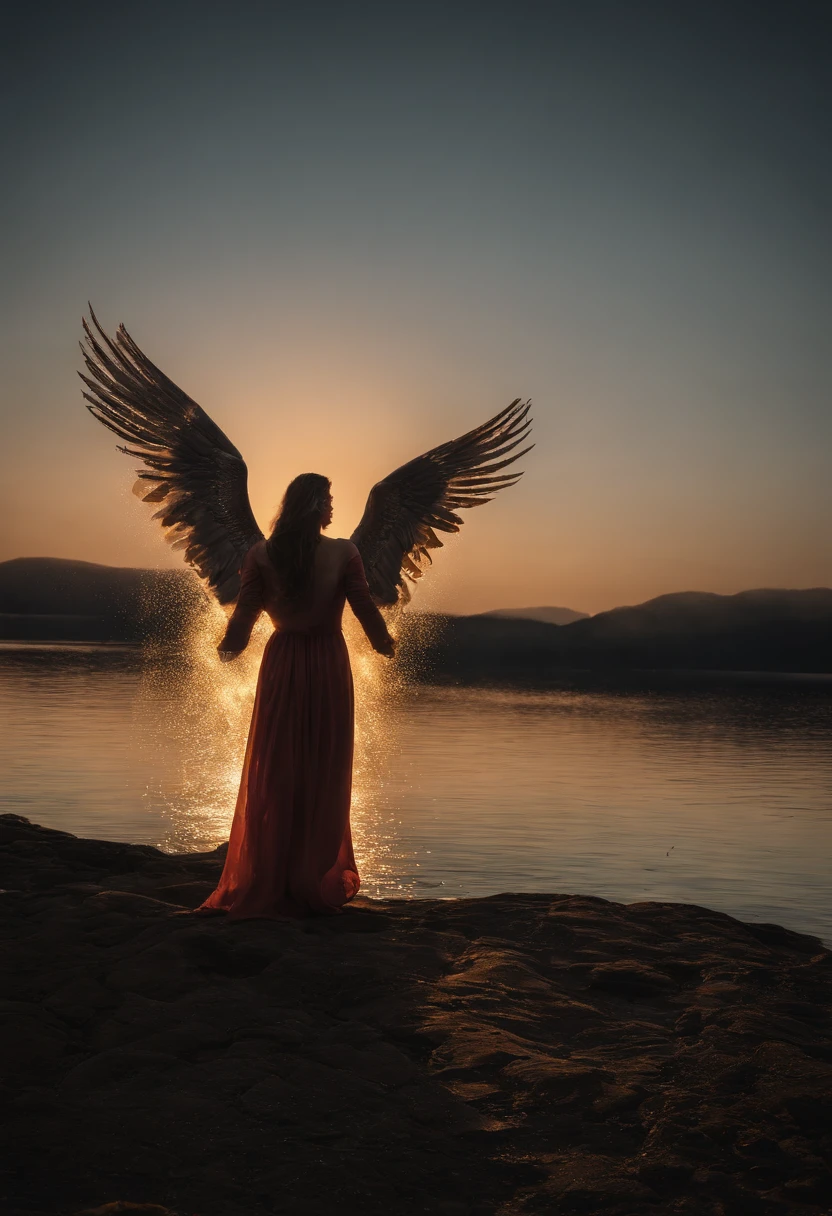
(712, 793)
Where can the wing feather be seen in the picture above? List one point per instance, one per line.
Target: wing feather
(191, 467)
(406, 510)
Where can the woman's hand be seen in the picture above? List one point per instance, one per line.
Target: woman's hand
(227, 655)
(388, 649)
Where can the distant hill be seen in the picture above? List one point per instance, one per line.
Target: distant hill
(50, 599)
(702, 613)
(53, 599)
(764, 630)
(551, 616)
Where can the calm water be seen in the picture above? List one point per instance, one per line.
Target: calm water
(709, 791)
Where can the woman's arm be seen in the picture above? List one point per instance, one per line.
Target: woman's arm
(246, 611)
(361, 602)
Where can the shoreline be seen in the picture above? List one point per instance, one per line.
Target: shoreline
(496, 1056)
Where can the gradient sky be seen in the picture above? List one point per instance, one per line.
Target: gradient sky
(353, 231)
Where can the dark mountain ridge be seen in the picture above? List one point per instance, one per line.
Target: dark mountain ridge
(762, 630)
(769, 629)
(551, 615)
(686, 612)
(56, 599)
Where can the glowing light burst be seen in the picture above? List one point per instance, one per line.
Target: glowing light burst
(204, 707)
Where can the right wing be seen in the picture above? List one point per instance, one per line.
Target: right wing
(191, 467)
(406, 510)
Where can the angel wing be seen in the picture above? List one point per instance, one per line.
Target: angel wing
(406, 510)
(191, 467)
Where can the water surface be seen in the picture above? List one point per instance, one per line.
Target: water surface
(707, 790)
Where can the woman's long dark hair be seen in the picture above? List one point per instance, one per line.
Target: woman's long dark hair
(296, 532)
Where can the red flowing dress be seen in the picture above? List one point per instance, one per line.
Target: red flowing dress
(290, 851)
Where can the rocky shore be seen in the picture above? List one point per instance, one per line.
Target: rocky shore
(511, 1056)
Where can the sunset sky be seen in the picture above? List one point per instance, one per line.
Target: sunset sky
(353, 231)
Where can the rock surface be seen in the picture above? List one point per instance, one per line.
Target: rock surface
(510, 1056)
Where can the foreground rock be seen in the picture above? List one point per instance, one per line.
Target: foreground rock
(511, 1056)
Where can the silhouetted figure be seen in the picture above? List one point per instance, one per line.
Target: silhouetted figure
(290, 851)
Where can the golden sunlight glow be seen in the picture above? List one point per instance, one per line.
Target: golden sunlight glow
(206, 706)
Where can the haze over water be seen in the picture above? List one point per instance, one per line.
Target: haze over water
(710, 792)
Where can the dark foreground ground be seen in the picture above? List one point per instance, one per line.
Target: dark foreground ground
(515, 1055)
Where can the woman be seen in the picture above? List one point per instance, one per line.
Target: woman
(290, 851)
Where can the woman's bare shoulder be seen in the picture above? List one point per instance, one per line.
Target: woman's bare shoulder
(338, 544)
(337, 552)
(256, 557)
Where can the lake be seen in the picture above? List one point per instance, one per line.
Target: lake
(705, 789)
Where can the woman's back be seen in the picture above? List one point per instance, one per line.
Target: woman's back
(322, 604)
(337, 574)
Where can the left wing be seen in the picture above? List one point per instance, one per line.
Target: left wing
(191, 467)
(406, 510)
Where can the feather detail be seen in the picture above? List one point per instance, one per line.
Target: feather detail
(191, 468)
(406, 510)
